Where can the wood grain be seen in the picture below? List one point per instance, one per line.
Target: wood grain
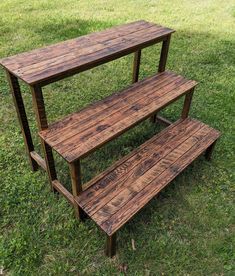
(99, 123)
(51, 63)
(114, 196)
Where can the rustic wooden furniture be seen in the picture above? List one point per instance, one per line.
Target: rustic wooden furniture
(113, 197)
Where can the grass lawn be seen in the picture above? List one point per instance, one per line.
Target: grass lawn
(190, 228)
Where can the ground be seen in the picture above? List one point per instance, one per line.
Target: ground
(189, 228)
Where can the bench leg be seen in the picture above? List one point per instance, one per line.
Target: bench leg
(22, 117)
(209, 151)
(187, 104)
(111, 242)
(75, 172)
(136, 66)
(41, 118)
(162, 64)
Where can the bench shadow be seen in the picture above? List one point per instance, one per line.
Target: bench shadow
(68, 28)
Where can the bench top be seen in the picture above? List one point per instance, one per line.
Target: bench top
(82, 132)
(54, 62)
(113, 197)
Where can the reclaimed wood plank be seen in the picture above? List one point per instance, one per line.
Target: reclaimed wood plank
(142, 180)
(195, 148)
(55, 62)
(97, 124)
(61, 48)
(126, 158)
(71, 65)
(96, 120)
(98, 107)
(124, 176)
(138, 114)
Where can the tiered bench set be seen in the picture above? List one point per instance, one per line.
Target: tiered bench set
(113, 197)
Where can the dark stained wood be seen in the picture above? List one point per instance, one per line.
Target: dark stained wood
(105, 107)
(162, 64)
(127, 158)
(139, 167)
(209, 151)
(41, 118)
(110, 249)
(75, 172)
(62, 190)
(187, 104)
(89, 129)
(164, 54)
(163, 120)
(120, 193)
(22, 117)
(136, 66)
(58, 61)
(65, 47)
(40, 161)
(122, 172)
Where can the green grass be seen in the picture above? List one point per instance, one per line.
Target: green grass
(189, 228)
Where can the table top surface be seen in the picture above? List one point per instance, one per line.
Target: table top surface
(54, 62)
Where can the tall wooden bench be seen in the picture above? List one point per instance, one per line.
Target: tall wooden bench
(116, 195)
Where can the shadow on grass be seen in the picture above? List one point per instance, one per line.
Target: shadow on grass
(60, 30)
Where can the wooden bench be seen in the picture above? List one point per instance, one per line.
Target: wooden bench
(80, 133)
(113, 197)
(116, 195)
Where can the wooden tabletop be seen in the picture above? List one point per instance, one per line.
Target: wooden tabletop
(54, 62)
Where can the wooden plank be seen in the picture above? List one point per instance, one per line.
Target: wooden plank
(187, 104)
(41, 118)
(112, 117)
(146, 109)
(75, 172)
(40, 161)
(55, 62)
(136, 66)
(96, 119)
(97, 108)
(159, 151)
(28, 58)
(186, 156)
(164, 54)
(69, 65)
(122, 170)
(163, 120)
(22, 117)
(122, 197)
(83, 53)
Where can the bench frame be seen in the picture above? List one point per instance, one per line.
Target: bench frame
(47, 163)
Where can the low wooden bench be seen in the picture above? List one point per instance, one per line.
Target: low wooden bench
(116, 195)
